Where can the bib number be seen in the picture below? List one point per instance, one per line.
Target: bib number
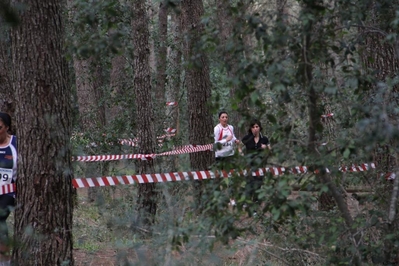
(5, 176)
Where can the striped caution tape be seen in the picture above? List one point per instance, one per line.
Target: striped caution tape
(327, 115)
(163, 137)
(102, 158)
(389, 176)
(145, 178)
(191, 175)
(128, 142)
(165, 177)
(357, 168)
(299, 169)
(170, 132)
(188, 149)
(180, 150)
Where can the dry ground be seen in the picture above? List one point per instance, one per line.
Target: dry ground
(108, 256)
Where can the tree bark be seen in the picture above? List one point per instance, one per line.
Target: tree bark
(7, 97)
(161, 54)
(117, 84)
(147, 193)
(173, 90)
(198, 87)
(381, 59)
(173, 84)
(230, 36)
(198, 83)
(43, 217)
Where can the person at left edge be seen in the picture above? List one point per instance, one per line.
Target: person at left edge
(8, 175)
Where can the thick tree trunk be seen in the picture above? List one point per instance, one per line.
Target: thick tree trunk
(172, 88)
(230, 36)
(147, 194)
(198, 84)
(198, 88)
(43, 217)
(381, 58)
(161, 54)
(117, 84)
(7, 97)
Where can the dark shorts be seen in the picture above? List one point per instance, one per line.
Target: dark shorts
(6, 203)
(224, 163)
(253, 184)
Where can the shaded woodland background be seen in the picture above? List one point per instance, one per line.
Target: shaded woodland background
(78, 76)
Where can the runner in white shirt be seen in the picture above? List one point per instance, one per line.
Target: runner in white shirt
(224, 136)
(225, 141)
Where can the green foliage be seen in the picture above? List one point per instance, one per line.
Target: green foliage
(275, 63)
(313, 53)
(98, 27)
(8, 14)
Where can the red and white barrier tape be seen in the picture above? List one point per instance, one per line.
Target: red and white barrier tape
(171, 103)
(192, 175)
(144, 178)
(97, 158)
(357, 168)
(327, 115)
(181, 150)
(188, 149)
(390, 176)
(181, 176)
(162, 137)
(128, 142)
(164, 177)
(170, 132)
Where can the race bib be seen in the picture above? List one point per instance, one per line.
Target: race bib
(5, 176)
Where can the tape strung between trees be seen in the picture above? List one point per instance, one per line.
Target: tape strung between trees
(190, 175)
(197, 175)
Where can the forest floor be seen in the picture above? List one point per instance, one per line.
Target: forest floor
(94, 244)
(105, 257)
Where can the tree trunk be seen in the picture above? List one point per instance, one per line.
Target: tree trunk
(198, 86)
(117, 84)
(172, 89)
(161, 54)
(147, 194)
(43, 217)
(230, 36)
(381, 58)
(7, 98)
